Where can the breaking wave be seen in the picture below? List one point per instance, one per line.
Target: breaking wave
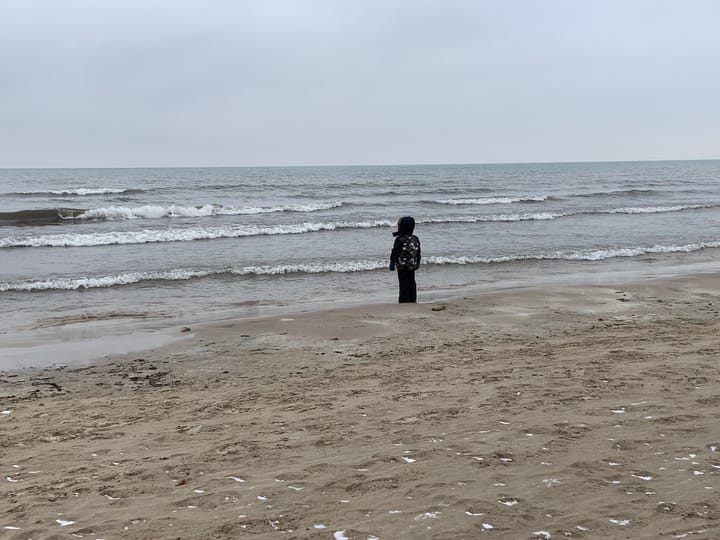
(491, 200)
(619, 193)
(579, 255)
(47, 216)
(146, 236)
(656, 209)
(157, 212)
(338, 267)
(77, 191)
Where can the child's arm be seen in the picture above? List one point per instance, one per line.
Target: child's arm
(395, 253)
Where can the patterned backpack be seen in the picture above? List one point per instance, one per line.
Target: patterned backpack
(408, 256)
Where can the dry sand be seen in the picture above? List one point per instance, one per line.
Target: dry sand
(582, 412)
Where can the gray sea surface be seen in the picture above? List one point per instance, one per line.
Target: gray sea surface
(159, 247)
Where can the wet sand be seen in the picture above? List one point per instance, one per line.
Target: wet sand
(577, 411)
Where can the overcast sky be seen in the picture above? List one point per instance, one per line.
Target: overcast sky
(324, 82)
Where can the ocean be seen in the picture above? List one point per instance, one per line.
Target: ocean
(169, 246)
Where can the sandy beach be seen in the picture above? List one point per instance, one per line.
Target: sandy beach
(577, 411)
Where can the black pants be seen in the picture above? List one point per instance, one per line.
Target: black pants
(408, 288)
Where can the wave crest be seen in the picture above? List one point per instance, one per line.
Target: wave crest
(157, 212)
(491, 200)
(339, 267)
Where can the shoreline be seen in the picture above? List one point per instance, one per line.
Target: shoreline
(577, 410)
(81, 338)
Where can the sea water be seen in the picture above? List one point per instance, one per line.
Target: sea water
(174, 245)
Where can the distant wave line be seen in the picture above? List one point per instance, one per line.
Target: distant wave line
(490, 200)
(58, 215)
(617, 193)
(145, 236)
(157, 212)
(82, 192)
(338, 267)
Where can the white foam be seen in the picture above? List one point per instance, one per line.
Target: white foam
(492, 200)
(185, 274)
(340, 535)
(641, 477)
(580, 255)
(78, 191)
(312, 268)
(408, 459)
(487, 526)
(147, 236)
(235, 478)
(172, 211)
(509, 502)
(64, 523)
(467, 512)
(8, 411)
(621, 522)
(655, 209)
(542, 534)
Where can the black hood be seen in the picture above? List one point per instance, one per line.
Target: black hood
(406, 226)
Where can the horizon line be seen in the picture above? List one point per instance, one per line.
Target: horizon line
(428, 164)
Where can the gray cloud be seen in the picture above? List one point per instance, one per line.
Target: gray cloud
(221, 82)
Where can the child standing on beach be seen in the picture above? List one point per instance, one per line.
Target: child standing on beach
(405, 256)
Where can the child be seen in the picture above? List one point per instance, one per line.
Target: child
(405, 257)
